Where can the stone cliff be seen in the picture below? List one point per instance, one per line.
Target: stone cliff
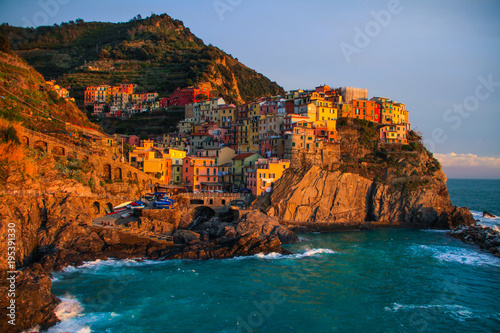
(321, 196)
(371, 185)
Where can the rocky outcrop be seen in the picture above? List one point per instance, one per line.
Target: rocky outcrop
(55, 231)
(316, 195)
(224, 247)
(487, 238)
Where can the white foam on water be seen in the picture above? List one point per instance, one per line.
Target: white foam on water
(275, 255)
(439, 231)
(68, 308)
(97, 264)
(493, 223)
(460, 255)
(455, 311)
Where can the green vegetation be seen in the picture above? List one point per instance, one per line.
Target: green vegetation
(363, 154)
(25, 98)
(157, 53)
(74, 169)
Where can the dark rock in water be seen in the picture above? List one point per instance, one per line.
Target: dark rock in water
(486, 238)
(223, 248)
(489, 215)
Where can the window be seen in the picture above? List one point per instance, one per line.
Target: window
(293, 144)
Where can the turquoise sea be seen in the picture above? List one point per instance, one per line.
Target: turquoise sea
(369, 281)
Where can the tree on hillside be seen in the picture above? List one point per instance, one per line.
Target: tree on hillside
(4, 44)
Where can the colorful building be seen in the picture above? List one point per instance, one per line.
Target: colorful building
(152, 161)
(177, 157)
(394, 134)
(200, 173)
(240, 163)
(265, 173)
(181, 97)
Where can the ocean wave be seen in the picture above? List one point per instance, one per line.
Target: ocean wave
(97, 264)
(455, 311)
(493, 223)
(275, 255)
(440, 231)
(458, 255)
(68, 308)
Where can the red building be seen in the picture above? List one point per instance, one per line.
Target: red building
(181, 97)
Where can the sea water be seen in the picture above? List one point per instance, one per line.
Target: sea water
(370, 281)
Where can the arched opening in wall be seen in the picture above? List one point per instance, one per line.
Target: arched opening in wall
(129, 175)
(41, 145)
(109, 207)
(25, 140)
(143, 183)
(223, 202)
(196, 202)
(202, 214)
(118, 174)
(211, 202)
(106, 172)
(135, 176)
(97, 207)
(59, 151)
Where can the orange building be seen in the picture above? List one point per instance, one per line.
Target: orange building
(363, 109)
(200, 173)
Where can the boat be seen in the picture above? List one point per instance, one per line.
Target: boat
(122, 205)
(163, 204)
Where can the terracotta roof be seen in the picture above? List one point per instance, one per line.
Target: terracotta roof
(243, 156)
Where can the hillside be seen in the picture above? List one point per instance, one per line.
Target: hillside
(157, 53)
(25, 98)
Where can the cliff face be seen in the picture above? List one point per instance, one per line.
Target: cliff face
(336, 197)
(371, 184)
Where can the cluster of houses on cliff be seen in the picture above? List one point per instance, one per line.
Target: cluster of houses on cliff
(224, 147)
(124, 101)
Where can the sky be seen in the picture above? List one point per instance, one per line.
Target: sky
(440, 58)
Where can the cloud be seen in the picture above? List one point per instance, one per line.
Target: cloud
(467, 160)
(469, 166)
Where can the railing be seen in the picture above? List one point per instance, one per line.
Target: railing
(208, 194)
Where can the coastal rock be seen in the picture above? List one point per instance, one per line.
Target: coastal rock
(485, 238)
(489, 215)
(185, 236)
(253, 222)
(34, 301)
(223, 248)
(334, 197)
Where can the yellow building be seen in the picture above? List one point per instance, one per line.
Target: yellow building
(176, 156)
(244, 136)
(265, 174)
(325, 112)
(152, 161)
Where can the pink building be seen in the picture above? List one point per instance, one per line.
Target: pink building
(134, 141)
